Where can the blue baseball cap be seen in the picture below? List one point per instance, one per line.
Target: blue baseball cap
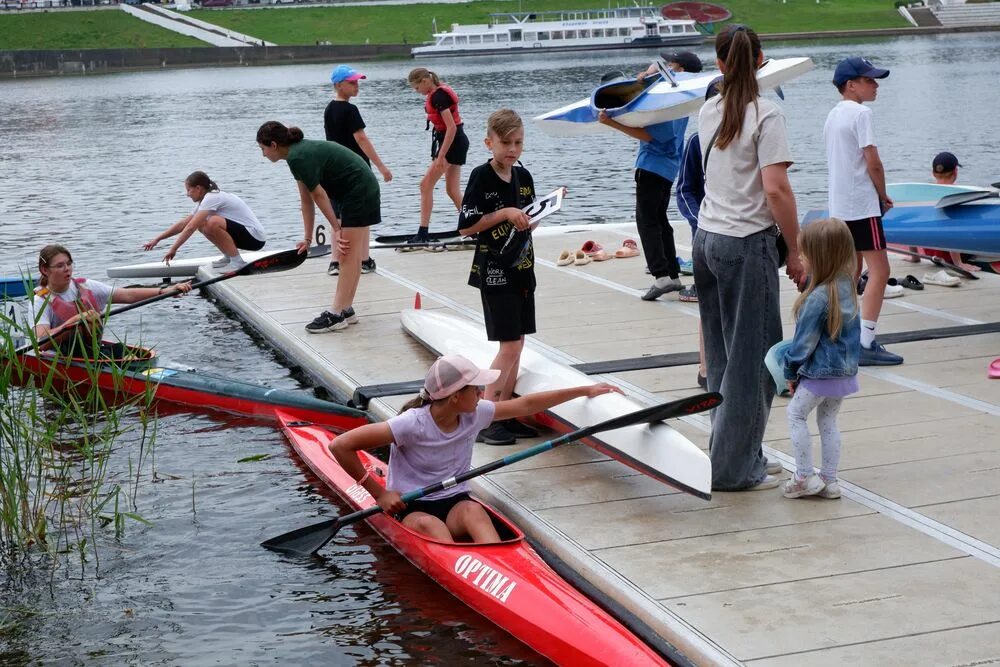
(852, 68)
(343, 73)
(945, 162)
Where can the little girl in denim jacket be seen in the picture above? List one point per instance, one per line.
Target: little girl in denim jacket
(821, 364)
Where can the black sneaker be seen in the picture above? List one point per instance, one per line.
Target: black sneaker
(418, 240)
(333, 269)
(367, 266)
(496, 434)
(349, 315)
(327, 321)
(518, 429)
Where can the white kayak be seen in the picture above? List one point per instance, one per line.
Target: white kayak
(656, 450)
(188, 267)
(638, 104)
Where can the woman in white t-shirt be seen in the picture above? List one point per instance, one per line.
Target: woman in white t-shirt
(222, 217)
(61, 301)
(432, 439)
(748, 199)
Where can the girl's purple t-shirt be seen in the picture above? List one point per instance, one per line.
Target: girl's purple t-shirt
(422, 454)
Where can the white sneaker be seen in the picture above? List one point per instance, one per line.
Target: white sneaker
(830, 490)
(236, 264)
(893, 291)
(810, 486)
(769, 482)
(221, 262)
(774, 467)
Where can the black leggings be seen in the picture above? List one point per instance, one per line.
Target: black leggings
(652, 194)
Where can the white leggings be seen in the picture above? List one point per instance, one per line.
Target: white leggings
(802, 403)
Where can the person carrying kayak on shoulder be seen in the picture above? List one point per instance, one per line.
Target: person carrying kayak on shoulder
(449, 145)
(323, 171)
(223, 218)
(343, 124)
(62, 301)
(432, 439)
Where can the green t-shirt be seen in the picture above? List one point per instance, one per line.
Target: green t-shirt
(345, 177)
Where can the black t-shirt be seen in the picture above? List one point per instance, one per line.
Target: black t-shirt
(341, 120)
(505, 258)
(441, 100)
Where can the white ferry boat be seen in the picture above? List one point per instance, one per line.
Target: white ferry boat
(566, 30)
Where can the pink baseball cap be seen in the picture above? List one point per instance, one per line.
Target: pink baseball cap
(453, 372)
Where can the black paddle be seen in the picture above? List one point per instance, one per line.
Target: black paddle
(430, 244)
(279, 261)
(310, 539)
(965, 197)
(937, 261)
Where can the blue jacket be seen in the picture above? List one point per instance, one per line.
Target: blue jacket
(812, 354)
(691, 182)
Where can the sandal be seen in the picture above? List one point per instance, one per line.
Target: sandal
(565, 258)
(595, 251)
(994, 371)
(581, 258)
(911, 282)
(629, 249)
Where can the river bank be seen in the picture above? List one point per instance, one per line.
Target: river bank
(15, 64)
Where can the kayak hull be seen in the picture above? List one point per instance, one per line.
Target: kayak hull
(188, 268)
(656, 450)
(641, 106)
(194, 389)
(506, 582)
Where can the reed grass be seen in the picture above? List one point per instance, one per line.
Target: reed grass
(59, 496)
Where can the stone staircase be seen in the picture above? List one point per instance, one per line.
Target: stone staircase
(186, 25)
(967, 15)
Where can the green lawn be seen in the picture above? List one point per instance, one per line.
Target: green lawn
(99, 29)
(412, 23)
(392, 24)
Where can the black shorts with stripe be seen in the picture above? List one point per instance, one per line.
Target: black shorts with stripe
(867, 233)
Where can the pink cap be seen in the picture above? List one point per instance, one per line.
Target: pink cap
(453, 372)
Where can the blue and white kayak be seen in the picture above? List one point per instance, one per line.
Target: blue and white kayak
(641, 103)
(15, 286)
(915, 219)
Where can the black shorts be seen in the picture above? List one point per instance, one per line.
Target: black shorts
(243, 239)
(509, 315)
(355, 221)
(867, 233)
(438, 508)
(459, 149)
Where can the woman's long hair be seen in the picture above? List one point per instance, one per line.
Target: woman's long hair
(738, 47)
(418, 74)
(46, 255)
(199, 179)
(829, 248)
(273, 131)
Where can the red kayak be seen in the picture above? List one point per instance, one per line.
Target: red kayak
(136, 373)
(507, 582)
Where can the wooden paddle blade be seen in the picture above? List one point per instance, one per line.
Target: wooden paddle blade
(964, 198)
(279, 261)
(304, 541)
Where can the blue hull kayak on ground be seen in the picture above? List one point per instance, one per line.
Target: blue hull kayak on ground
(915, 220)
(15, 286)
(642, 103)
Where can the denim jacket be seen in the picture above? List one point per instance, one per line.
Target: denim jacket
(812, 354)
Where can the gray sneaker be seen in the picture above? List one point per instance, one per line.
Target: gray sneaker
(877, 355)
(662, 286)
(688, 294)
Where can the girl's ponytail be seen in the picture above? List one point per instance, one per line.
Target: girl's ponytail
(738, 48)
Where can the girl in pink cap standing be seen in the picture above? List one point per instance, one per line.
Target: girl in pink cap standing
(432, 439)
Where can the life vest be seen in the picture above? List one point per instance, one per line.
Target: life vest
(62, 310)
(434, 116)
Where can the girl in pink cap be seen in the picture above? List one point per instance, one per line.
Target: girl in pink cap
(432, 439)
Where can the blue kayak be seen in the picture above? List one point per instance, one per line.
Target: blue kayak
(915, 220)
(15, 286)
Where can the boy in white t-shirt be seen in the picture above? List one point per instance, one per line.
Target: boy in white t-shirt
(857, 193)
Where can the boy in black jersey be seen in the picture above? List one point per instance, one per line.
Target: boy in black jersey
(503, 267)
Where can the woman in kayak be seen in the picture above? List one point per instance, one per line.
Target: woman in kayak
(432, 440)
(223, 218)
(325, 170)
(449, 145)
(62, 301)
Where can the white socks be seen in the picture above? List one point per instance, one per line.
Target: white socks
(868, 332)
